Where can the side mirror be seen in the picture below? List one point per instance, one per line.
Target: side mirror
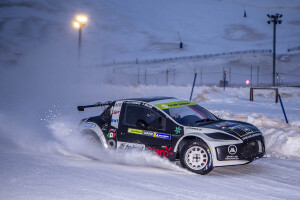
(141, 124)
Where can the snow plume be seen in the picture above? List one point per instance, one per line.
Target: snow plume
(70, 143)
(203, 96)
(38, 108)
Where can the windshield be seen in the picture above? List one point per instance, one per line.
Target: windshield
(187, 113)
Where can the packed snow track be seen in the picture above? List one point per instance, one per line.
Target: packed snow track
(40, 176)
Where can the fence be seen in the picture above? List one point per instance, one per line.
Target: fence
(235, 77)
(169, 71)
(175, 59)
(294, 49)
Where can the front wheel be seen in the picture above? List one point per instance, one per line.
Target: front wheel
(196, 157)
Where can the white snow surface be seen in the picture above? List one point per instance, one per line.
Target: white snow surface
(46, 159)
(43, 157)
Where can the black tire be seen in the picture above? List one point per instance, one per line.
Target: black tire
(196, 157)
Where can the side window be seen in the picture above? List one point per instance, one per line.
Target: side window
(144, 118)
(106, 114)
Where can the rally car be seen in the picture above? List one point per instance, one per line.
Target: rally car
(176, 129)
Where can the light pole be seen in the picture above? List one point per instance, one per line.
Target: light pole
(78, 23)
(274, 19)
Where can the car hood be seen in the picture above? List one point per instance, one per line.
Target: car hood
(239, 129)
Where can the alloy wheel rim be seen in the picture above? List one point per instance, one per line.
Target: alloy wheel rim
(196, 158)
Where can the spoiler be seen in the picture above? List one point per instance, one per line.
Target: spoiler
(81, 108)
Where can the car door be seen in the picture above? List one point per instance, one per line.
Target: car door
(141, 124)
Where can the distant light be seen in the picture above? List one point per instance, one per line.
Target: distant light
(247, 82)
(81, 18)
(76, 24)
(80, 21)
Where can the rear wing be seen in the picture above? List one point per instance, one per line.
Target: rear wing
(81, 108)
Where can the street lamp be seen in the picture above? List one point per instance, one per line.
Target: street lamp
(275, 19)
(78, 23)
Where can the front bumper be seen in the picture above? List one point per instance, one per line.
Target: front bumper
(247, 151)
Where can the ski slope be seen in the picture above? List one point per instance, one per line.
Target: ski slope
(126, 30)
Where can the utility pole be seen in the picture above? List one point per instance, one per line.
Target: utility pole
(274, 19)
(195, 71)
(223, 77)
(251, 77)
(138, 75)
(174, 76)
(201, 76)
(230, 76)
(78, 23)
(114, 74)
(79, 43)
(167, 74)
(257, 75)
(145, 76)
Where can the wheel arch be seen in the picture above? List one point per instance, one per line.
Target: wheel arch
(89, 131)
(96, 130)
(182, 141)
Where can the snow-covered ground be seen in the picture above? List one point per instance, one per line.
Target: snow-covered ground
(42, 157)
(40, 176)
(46, 158)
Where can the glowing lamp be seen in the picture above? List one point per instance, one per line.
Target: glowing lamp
(247, 82)
(81, 18)
(80, 21)
(76, 24)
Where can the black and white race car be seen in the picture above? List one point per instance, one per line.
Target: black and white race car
(176, 129)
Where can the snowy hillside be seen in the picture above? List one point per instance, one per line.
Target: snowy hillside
(126, 30)
(41, 154)
(117, 31)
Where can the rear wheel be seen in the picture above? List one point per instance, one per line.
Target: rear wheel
(91, 136)
(196, 157)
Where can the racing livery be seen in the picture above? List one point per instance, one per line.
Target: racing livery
(176, 129)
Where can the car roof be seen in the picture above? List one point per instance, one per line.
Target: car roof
(149, 99)
(155, 100)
